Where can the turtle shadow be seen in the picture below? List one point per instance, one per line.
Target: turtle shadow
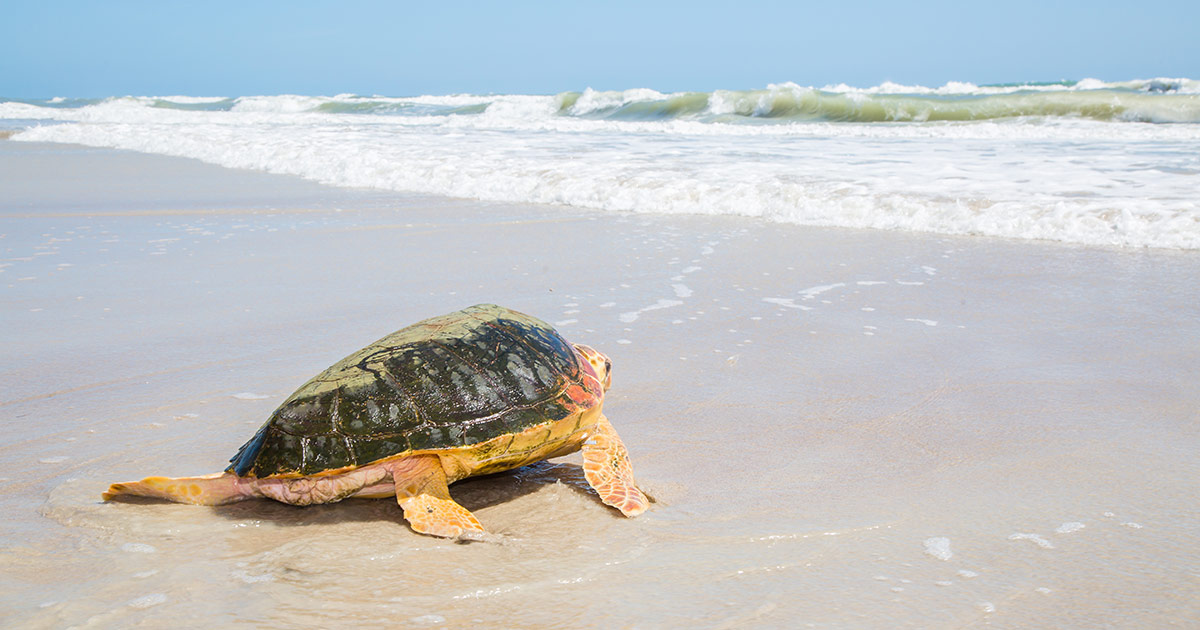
(485, 491)
(474, 494)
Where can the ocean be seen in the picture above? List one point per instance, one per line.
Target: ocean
(1091, 162)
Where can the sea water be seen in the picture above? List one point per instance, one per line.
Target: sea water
(1088, 161)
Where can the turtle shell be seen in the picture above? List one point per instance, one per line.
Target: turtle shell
(445, 382)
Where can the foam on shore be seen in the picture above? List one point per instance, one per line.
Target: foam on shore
(1088, 162)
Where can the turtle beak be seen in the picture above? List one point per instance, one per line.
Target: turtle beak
(600, 364)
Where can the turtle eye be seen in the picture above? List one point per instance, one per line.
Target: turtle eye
(607, 366)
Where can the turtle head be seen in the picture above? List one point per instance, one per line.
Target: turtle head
(600, 363)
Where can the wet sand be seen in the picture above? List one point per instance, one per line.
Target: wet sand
(842, 429)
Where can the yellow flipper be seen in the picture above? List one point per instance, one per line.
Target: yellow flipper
(607, 469)
(422, 492)
(214, 489)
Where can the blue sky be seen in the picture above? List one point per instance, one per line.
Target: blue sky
(399, 48)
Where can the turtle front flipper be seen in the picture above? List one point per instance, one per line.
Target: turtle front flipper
(421, 490)
(607, 469)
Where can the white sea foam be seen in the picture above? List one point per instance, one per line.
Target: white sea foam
(591, 100)
(191, 100)
(1066, 178)
(1033, 538)
(938, 547)
(812, 292)
(249, 578)
(632, 316)
(147, 601)
(285, 103)
(787, 303)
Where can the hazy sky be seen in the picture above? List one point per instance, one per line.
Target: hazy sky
(398, 48)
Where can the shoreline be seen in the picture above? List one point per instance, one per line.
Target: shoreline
(810, 406)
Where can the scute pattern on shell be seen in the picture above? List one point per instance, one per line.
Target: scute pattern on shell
(449, 381)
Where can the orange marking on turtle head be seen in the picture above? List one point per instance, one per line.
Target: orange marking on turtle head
(598, 362)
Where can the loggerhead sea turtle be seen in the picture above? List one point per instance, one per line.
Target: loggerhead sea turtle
(477, 391)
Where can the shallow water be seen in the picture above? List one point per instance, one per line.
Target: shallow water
(841, 429)
(1087, 162)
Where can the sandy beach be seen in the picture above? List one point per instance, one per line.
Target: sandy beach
(841, 428)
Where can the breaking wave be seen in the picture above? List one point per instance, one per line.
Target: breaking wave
(1083, 162)
(1158, 100)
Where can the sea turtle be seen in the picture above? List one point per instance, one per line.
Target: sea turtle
(477, 391)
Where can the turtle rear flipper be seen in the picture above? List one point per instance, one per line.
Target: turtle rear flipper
(422, 491)
(214, 489)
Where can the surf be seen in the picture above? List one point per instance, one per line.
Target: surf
(1089, 162)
